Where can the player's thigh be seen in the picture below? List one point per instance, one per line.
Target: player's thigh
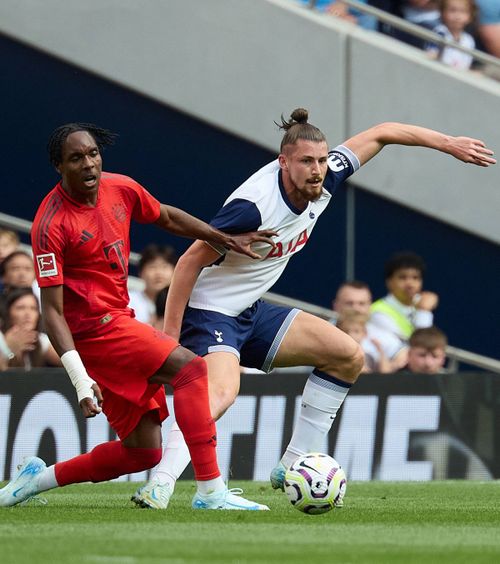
(223, 380)
(312, 341)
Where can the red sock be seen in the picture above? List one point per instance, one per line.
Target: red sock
(105, 462)
(192, 412)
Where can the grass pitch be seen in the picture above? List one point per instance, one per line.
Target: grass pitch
(442, 522)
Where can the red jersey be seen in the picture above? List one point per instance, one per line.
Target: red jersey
(86, 249)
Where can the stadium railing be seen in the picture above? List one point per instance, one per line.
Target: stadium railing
(400, 24)
(456, 356)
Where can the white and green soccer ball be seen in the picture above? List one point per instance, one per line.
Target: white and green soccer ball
(315, 483)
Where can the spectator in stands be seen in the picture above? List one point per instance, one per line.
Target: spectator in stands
(156, 267)
(456, 15)
(17, 271)
(356, 296)
(341, 10)
(21, 323)
(489, 25)
(427, 354)
(354, 324)
(424, 13)
(9, 242)
(406, 307)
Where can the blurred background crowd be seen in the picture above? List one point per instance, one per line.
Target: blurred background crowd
(395, 331)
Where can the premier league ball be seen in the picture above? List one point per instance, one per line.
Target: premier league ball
(315, 483)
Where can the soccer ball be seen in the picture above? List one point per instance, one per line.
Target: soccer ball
(315, 483)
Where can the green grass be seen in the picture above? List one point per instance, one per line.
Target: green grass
(442, 522)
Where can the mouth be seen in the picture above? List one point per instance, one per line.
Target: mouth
(90, 180)
(316, 182)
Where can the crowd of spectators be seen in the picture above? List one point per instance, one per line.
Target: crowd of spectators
(469, 23)
(396, 331)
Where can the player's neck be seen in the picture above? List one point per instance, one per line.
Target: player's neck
(86, 198)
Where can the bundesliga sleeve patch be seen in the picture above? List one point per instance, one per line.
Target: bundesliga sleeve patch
(46, 265)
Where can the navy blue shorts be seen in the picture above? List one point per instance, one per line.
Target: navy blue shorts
(254, 336)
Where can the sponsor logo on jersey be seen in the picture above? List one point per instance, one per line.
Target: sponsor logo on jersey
(337, 162)
(84, 237)
(289, 247)
(46, 265)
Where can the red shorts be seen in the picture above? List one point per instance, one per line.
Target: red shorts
(121, 359)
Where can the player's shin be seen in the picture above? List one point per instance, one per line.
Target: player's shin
(192, 412)
(322, 397)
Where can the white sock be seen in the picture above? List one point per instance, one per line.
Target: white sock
(175, 458)
(210, 486)
(47, 479)
(321, 400)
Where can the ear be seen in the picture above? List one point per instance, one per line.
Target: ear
(283, 162)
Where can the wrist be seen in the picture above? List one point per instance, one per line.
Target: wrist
(5, 350)
(78, 374)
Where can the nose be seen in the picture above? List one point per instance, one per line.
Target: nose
(88, 161)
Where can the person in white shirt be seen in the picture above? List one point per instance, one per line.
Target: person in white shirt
(214, 301)
(456, 15)
(156, 267)
(356, 296)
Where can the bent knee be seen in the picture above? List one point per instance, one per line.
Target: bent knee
(349, 365)
(221, 399)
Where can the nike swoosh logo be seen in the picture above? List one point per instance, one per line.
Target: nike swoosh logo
(14, 493)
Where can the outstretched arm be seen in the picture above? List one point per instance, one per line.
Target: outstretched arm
(185, 275)
(181, 223)
(368, 143)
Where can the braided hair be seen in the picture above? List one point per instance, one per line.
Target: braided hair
(297, 127)
(103, 138)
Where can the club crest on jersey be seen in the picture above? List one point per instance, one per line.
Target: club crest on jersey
(337, 162)
(119, 212)
(292, 246)
(219, 334)
(46, 265)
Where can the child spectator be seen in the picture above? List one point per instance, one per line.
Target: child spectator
(354, 324)
(21, 324)
(406, 307)
(456, 15)
(156, 268)
(427, 353)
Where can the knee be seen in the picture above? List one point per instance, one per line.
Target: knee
(221, 399)
(357, 361)
(348, 366)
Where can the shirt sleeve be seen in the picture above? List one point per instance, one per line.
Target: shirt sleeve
(342, 163)
(146, 208)
(48, 246)
(238, 216)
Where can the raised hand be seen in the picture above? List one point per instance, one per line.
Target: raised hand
(472, 151)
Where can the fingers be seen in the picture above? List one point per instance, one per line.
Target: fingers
(89, 408)
(98, 394)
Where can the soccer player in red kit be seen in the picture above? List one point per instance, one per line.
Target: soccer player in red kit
(81, 245)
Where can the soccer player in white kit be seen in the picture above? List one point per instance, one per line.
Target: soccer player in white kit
(226, 321)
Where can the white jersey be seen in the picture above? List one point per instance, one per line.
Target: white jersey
(234, 282)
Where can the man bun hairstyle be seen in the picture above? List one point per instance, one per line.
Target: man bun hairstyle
(102, 137)
(298, 127)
